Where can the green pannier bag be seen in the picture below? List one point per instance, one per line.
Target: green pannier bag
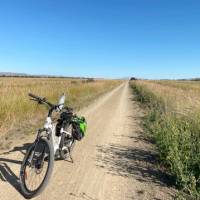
(79, 127)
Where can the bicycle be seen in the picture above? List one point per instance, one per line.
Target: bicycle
(52, 141)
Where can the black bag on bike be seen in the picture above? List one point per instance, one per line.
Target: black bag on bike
(64, 117)
(79, 128)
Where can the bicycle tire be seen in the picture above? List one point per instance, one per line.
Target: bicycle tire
(27, 193)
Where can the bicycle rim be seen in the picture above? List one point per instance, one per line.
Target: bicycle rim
(35, 172)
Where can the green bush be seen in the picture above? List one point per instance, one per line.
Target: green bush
(177, 139)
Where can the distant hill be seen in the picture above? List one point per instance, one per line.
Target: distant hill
(192, 79)
(24, 75)
(11, 74)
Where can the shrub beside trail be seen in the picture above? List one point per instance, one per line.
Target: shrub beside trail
(176, 132)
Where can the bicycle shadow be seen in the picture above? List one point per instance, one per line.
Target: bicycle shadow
(22, 149)
(6, 173)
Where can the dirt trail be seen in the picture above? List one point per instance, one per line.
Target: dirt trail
(113, 162)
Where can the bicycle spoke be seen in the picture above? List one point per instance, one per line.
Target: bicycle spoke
(36, 171)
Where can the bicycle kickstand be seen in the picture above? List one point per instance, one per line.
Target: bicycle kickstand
(70, 155)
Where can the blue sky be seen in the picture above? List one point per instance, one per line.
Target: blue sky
(102, 38)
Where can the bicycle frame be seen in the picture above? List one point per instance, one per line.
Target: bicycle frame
(50, 129)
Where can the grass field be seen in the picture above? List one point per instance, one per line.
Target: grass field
(16, 109)
(178, 96)
(173, 120)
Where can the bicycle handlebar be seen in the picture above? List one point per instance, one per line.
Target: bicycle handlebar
(43, 100)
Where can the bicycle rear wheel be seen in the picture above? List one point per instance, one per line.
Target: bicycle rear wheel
(36, 168)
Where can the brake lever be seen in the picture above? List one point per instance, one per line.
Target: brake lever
(39, 101)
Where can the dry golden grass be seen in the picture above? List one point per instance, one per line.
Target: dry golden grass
(178, 96)
(16, 108)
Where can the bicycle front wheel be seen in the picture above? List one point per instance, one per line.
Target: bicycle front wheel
(36, 168)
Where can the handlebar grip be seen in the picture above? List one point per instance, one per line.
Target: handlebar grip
(33, 96)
